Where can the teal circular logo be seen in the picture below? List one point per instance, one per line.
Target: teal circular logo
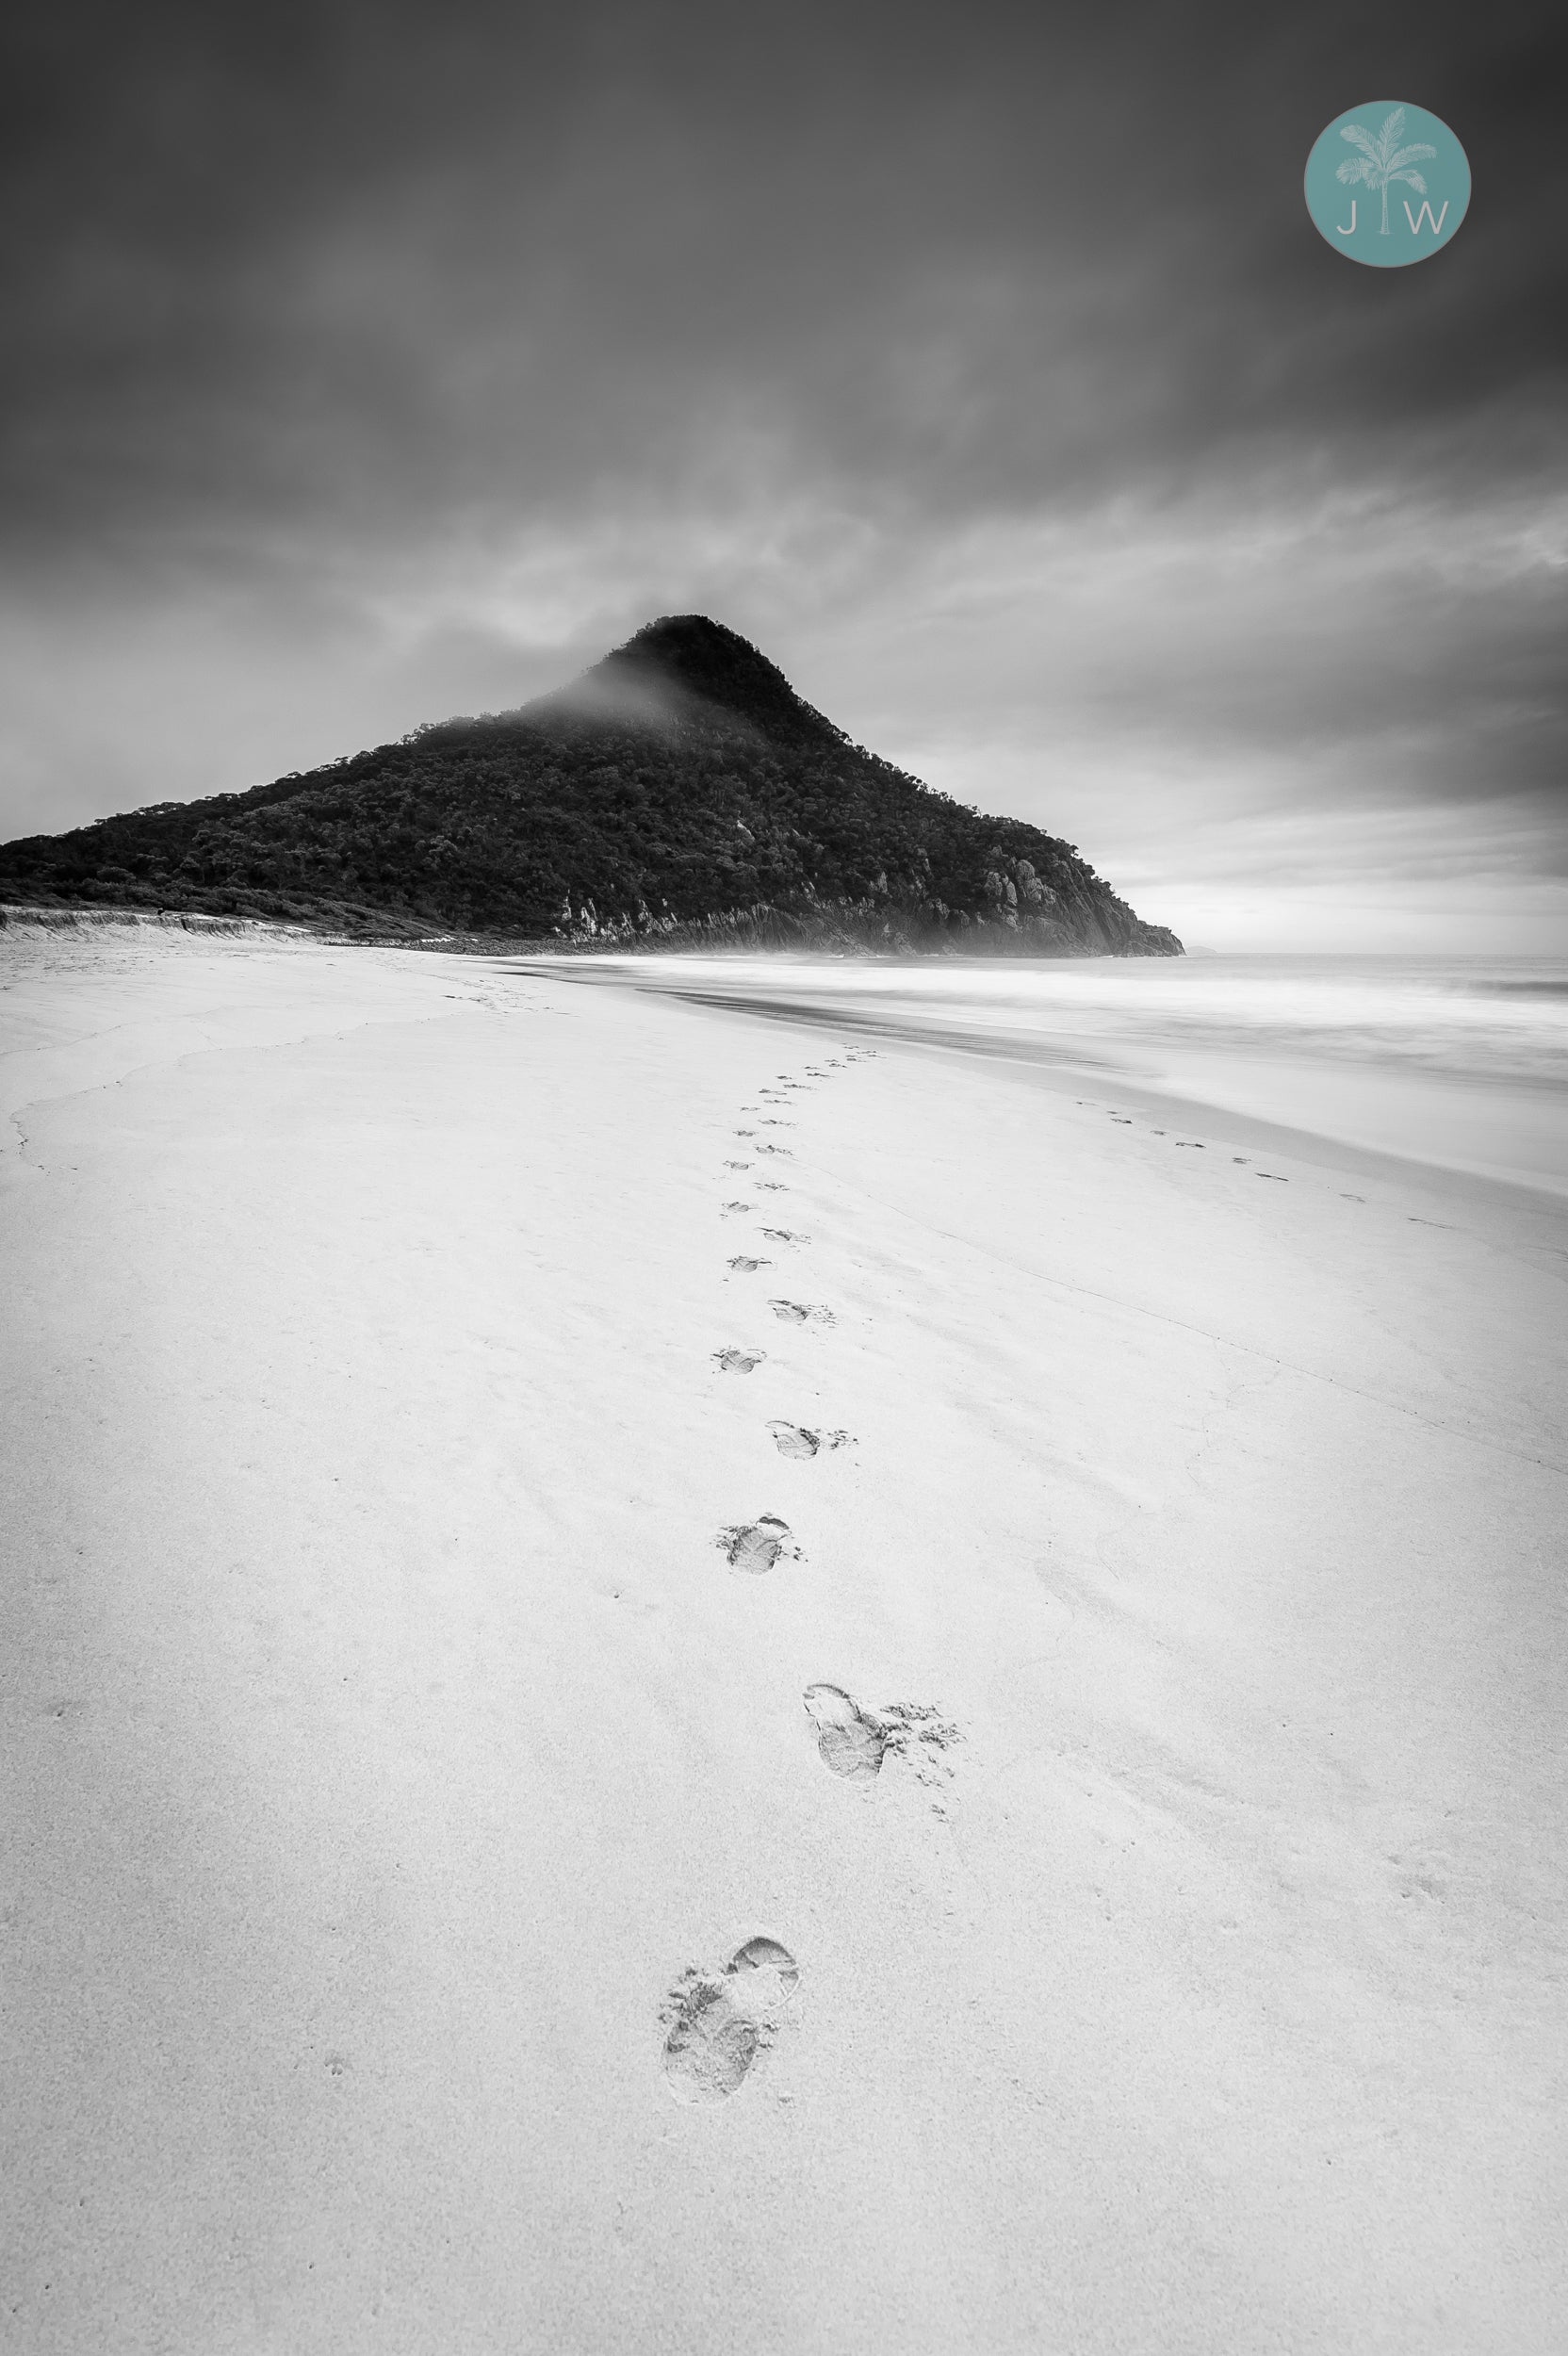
(1387, 184)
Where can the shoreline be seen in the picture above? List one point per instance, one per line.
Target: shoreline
(1062, 1070)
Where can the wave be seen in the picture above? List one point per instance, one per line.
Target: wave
(1456, 1061)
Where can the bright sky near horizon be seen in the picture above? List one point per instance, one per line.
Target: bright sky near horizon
(367, 365)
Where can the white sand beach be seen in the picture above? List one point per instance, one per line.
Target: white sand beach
(1163, 1893)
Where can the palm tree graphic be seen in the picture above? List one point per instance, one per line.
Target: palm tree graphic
(1382, 159)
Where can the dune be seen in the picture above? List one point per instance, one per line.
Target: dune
(674, 1683)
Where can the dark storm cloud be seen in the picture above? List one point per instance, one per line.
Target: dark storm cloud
(386, 257)
(446, 342)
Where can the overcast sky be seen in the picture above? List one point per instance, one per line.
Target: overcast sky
(370, 364)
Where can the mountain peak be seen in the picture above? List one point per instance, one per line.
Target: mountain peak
(696, 657)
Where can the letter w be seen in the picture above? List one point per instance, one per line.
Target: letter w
(1426, 213)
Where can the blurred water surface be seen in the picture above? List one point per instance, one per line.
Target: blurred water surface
(1460, 1061)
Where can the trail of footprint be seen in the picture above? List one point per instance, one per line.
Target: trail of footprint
(797, 1312)
(848, 1741)
(755, 1547)
(718, 2025)
(738, 1361)
(749, 1266)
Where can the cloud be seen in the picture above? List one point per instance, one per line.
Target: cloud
(366, 267)
(982, 366)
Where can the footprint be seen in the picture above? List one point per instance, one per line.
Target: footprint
(1352, 1197)
(1242, 1158)
(1197, 1144)
(756, 1547)
(719, 2023)
(1274, 1174)
(794, 1439)
(737, 1165)
(784, 1234)
(848, 1741)
(771, 1186)
(797, 1312)
(738, 1361)
(855, 1741)
(711, 2045)
(775, 1149)
(748, 1267)
(739, 1206)
(1122, 1120)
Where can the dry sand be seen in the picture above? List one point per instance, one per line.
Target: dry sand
(1134, 1730)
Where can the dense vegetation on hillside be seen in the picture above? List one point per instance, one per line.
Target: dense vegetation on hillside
(681, 785)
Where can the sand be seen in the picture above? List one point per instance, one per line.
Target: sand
(1024, 1811)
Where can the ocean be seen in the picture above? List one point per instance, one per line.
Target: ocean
(1458, 1062)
